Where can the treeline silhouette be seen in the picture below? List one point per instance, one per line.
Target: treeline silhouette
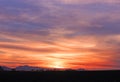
(1, 69)
(60, 76)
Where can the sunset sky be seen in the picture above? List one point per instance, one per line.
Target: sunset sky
(60, 33)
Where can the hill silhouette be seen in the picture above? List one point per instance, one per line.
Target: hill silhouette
(33, 68)
(60, 76)
(1, 69)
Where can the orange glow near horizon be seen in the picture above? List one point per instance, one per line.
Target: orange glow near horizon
(57, 64)
(63, 57)
(60, 55)
(60, 34)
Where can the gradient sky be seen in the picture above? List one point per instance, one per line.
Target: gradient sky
(60, 33)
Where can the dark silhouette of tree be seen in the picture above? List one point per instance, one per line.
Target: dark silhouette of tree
(1, 69)
(13, 69)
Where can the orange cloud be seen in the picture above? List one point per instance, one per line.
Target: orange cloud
(56, 33)
(75, 53)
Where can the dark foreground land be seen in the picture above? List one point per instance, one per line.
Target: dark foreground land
(63, 76)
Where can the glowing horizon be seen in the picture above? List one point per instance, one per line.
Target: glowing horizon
(60, 33)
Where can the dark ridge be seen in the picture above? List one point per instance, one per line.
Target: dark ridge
(60, 76)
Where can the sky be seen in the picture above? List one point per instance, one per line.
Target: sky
(60, 33)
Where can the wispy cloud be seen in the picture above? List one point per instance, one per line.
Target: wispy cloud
(41, 32)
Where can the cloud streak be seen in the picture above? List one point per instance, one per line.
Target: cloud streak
(77, 33)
